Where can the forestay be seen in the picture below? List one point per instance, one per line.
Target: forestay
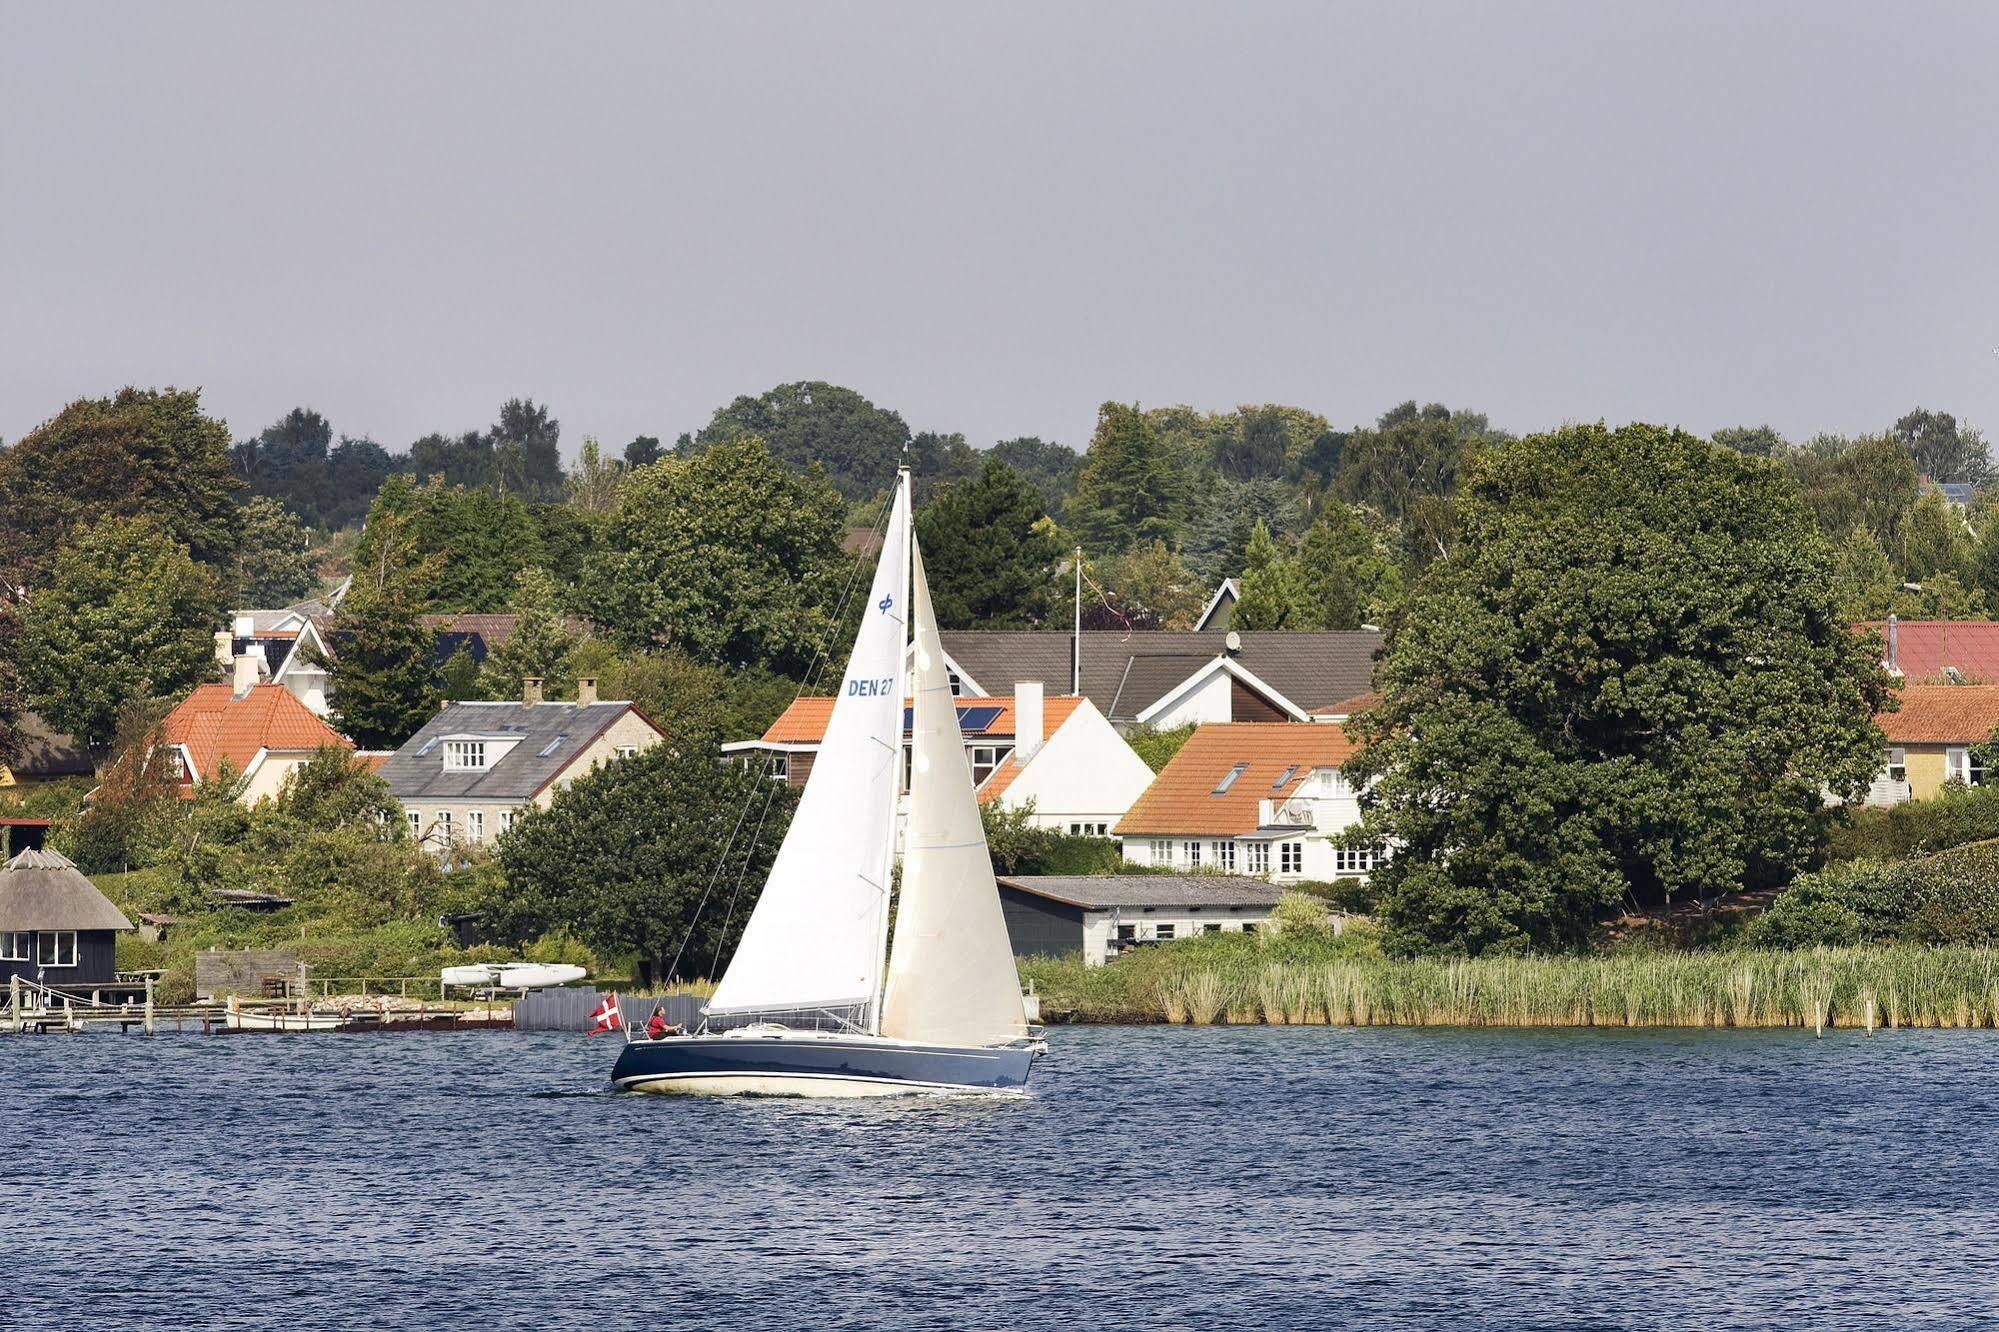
(815, 938)
(951, 975)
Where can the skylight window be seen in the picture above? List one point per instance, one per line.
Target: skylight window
(1284, 777)
(1228, 779)
(552, 746)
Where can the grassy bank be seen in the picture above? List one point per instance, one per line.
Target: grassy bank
(1824, 987)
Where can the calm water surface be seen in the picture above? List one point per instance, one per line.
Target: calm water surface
(1220, 1178)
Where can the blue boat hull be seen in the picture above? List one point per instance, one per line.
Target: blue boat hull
(813, 1065)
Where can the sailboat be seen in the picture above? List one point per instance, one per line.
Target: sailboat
(815, 1001)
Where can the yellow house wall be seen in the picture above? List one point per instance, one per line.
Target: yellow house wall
(629, 729)
(1926, 770)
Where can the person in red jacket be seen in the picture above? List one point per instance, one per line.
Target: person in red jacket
(656, 1025)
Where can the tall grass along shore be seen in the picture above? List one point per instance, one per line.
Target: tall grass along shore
(1816, 988)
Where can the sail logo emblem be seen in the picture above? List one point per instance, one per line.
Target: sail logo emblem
(885, 603)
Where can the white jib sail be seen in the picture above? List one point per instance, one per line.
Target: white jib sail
(814, 940)
(951, 975)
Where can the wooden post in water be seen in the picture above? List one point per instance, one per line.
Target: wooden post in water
(14, 1002)
(149, 1005)
(69, 1023)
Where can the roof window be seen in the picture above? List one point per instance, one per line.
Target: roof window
(1228, 779)
(1284, 777)
(552, 746)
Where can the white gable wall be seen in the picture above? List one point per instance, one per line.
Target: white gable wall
(1205, 696)
(1086, 773)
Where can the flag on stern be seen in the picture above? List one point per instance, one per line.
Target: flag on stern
(606, 1015)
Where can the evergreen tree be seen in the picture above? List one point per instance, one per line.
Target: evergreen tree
(527, 454)
(1275, 594)
(11, 699)
(1862, 579)
(1942, 449)
(128, 615)
(1982, 571)
(480, 539)
(138, 453)
(541, 645)
(274, 564)
(1127, 492)
(1224, 517)
(1938, 597)
(1412, 452)
(1933, 540)
(1353, 576)
(383, 674)
(1049, 468)
(990, 552)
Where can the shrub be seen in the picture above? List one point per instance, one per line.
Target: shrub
(1859, 902)
(1953, 897)
(1962, 814)
(1157, 748)
(1355, 897)
(1301, 916)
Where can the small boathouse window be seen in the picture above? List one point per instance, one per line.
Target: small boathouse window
(14, 946)
(465, 756)
(1127, 933)
(55, 948)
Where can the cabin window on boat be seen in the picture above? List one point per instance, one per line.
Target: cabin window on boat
(475, 825)
(1290, 857)
(55, 948)
(14, 946)
(1257, 854)
(465, 755)
(1898, 764)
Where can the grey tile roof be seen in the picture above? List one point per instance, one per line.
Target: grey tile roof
(1124, 674)
(1101, 892)
(551, 736)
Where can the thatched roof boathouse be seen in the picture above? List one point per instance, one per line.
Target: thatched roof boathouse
(55, 927)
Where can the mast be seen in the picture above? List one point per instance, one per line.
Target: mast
(874, 1024)
(1076, 635)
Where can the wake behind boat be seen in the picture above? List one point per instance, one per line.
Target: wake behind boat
(807, 1006)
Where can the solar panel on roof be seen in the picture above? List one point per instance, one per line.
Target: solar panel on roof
(976, 718)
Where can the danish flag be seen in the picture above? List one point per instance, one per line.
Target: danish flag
(606, 1016)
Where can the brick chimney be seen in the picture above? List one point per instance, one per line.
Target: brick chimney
(586, 690)
(1029, 713)
(245, 675)
(530, 689)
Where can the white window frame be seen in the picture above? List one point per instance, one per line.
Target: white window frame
(627, 751)
(465, 756)
(1162, 851)
(475, 826)
(1290, 857)
(986, 760)
(779, 767)
(442, 824)
(1256, 857)
(416, 824)
(1225, 856)
(14, 946)
(1163, 931)
(43, 938)
(1356, 860)
(506, 821)
(1898, 764)
(1190, 854)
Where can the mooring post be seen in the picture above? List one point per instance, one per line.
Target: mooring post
(14, 1001)
(68, 1016)
(149, 1005)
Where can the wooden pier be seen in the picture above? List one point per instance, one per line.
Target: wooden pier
(33, 1009)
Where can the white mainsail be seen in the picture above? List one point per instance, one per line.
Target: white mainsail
(951, 975)
(815, 938)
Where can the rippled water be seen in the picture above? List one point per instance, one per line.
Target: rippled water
(1206, 1178)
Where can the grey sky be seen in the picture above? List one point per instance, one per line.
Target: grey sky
(993, 218)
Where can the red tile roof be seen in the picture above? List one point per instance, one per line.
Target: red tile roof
(804, 722)
(1924, 647)
(1941, 714)
(1181, 798)
(1347, 707)
(215, 725)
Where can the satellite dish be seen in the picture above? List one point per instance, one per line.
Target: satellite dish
(1232, 641)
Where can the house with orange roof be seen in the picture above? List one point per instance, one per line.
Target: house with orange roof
(259, 733)
(1058, 753)
(1256, 798)
(1931, 739)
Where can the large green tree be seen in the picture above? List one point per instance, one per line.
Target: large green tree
(1411, 452)
(473, 541)
(542, 643)
(383, 670)
(649, 857)
(1146, 587)
(858, 444)
(1942, 449)
(1629, 680)
(1869, 482)
(1129, 490)
(1050, 468)
(274, 564)
(127, 615)
(1349, 567)
(526, 449)
(726, 555)
(990, 552)
(1227, 511)
(137, 453)
(12, 701)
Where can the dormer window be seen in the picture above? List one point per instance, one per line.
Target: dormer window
(465, 756)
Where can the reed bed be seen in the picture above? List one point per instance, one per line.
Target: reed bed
(1817, 988)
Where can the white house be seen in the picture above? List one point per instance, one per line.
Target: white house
(286, 646)
(1255, 798)
(475, 767)
(260, 733)
(1058, 752)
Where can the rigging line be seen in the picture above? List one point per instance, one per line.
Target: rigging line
(812, 672)
(1083, 567)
